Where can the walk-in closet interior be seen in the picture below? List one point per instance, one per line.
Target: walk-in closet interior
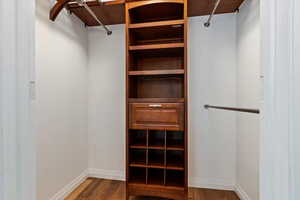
(148, 99)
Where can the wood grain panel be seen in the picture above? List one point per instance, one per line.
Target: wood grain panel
(157, 116)
(113, 13)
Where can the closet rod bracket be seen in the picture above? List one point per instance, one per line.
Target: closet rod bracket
(207, 24)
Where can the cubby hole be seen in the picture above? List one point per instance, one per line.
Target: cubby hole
(156, 158)
(175, 159)
(157, 35)
(155, 176)
(156, 139)
(137, 175)
(137, 138)
(156, 12)
(156, 59)
(175, 178)
(175, 139)
(163, 86)
(137, 156)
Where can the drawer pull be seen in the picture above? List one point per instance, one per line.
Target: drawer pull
(155, 105)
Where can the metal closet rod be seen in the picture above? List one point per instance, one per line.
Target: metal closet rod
(84, 4)
(207, 24)
(247, 110)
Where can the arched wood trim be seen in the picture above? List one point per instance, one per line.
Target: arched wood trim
(132, 5)
(60, 4)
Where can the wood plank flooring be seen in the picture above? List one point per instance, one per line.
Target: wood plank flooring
(100, 189)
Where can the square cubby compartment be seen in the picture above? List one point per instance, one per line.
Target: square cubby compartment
(175, 140)
(156, 176)
(137, 175)
(137, 157)
(137, 138)
(175, 160)
(175, 178)
(156, 158)
(156, 139)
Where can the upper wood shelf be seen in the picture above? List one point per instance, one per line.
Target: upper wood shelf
(156, 46)
(154, 24)
(156, 72)
(156, 100)
(113, 12)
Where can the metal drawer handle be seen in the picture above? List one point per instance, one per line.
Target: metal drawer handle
(155, 105)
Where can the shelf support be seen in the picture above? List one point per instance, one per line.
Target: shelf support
(60, 4)
(207, 24)
(84, 4)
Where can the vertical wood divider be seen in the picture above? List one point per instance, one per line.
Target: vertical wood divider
(147, 155)
(165, 158)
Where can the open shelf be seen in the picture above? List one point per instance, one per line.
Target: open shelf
(156, 12)
(157, 35)
(156, 46)
(156, 177)
(175, 160)
(164, 86)
(138, 139)
(156, 100)
(156, 59)
(156, 72)
(137, 157)
(156, 24)
(175, 178)
(137, 175)
(156, 139)
(175, 140)
(156, 158)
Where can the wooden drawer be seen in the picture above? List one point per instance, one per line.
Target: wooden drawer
(169, 116)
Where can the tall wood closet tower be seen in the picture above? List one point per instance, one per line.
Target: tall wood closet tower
(156, 32)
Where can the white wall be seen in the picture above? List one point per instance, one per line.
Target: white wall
(61, 100)
(212, 80)
(107, 102)
(296, 82)
(249, 96)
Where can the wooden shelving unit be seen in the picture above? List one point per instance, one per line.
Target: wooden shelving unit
(156, 32)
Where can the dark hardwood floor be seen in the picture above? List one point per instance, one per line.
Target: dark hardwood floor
(100, 189)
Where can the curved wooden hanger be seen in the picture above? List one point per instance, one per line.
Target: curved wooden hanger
(60, 4)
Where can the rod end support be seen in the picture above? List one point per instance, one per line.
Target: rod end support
(206, 106)
(109, 32)
(207, 24)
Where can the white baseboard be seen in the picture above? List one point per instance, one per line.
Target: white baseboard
(211, 184)
(194, 182)
(63, 193)
(241, 193)
(107, 174)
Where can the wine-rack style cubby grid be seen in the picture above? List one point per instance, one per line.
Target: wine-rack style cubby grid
(156, 37)
(156, 157)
